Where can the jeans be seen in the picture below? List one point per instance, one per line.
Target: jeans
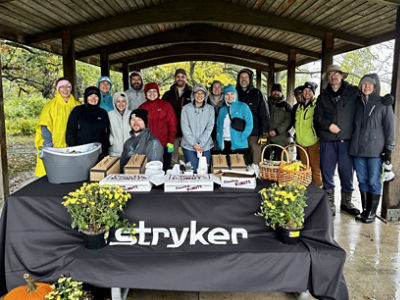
(191, 156)
(332, 154)
(369, 170)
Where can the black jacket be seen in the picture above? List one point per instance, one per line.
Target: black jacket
(338, 108)
(88, 124)
(255, 100)
(177, 103)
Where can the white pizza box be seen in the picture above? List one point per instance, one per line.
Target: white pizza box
(129, 182)
(188, 183)
(238, 179)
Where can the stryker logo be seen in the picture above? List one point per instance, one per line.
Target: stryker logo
(204, 236)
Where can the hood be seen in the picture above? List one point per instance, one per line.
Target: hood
(228, 89)
(130, 80)
(90, 91)
(198, 87)
(117, 95)
(105, 78)
(251, 75)
(149, 86)
(372, 77)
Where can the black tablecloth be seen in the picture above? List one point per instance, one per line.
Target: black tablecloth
(36, 237)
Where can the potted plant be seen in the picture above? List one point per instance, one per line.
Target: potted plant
(65, 288)
(94, 210)
(282, 207)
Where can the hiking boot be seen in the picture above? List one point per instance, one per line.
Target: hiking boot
(331, 198)
(347, 205)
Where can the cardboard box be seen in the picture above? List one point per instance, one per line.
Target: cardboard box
(188, 183)
(129, 182)
(238, 179)
(136, 164)
(237, 162)
(219, 162)
(108, 165)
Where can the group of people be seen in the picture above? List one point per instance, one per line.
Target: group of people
(345, 126)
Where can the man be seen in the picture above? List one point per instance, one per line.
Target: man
(216, 96)
(105, 86)
(135, 92)
(280, 120)
(141, 140)
(178, 95)
(255, 100)
(334, 123)
(298, 94)
(306, 135)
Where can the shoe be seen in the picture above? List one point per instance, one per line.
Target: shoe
(331, 198)
(346, 204)
(372, 205)
(363, 205)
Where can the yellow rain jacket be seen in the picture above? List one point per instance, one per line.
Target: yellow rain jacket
(54, 116)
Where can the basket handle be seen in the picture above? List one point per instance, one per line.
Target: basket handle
(302, 149)
(275, 145)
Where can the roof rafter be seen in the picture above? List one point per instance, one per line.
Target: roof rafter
(206, 49)
(198, 33)
(196, 57)
(205, 11)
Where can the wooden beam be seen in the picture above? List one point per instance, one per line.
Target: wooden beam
(327, 56)
(391, 191)
(194, 57)
(104, 63)
(258, 77)
(4, 185)
(125, 75)
(291, 76)
(68, 53)
(206, 11)
(198, 48)
(271, 78)
(198, 33)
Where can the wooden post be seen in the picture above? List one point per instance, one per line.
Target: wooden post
(104, 62)
(291, 76)
(125, 75)
(391, 191)
(68, 53)
(258, 77)
(4, 185)
(327, 56)
(271, 78)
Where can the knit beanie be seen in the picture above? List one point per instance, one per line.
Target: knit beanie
(298, 90)
(180, 71)
(150, 86)
(276, 87)
(139, 113)
(310, 85)
(90, 91)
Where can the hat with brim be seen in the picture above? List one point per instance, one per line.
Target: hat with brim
(334, 68)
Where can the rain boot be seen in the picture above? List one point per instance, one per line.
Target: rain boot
(347, 205)
(331, 198)
(372, 205)
(364, 206)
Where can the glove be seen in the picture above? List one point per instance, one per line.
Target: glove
(387, 100)
(262, 140)
(386, 155)
(388, 174)
(170, 147)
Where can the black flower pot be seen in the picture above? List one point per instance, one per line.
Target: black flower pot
(94, 241)
(288, 236)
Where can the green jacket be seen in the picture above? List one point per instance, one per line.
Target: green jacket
(305, 133)
(280, 121)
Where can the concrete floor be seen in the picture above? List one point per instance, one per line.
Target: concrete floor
(372, 268)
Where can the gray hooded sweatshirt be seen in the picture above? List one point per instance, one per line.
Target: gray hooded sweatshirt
(197, 123)
(120, 128)
(135, 97)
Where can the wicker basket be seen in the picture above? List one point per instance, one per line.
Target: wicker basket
(269, 168)
(303, 177)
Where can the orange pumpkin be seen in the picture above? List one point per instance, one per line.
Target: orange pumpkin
(31, 291)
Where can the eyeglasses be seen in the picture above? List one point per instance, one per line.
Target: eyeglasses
(334, 73)
(65, 87)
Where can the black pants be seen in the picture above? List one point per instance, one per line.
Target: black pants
(166, 159)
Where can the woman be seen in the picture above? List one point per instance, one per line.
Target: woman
(52, 123)
(119, 124)
(89, 123)
(197, 122)
(372, 142)
(162, 120)
(230, 140)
